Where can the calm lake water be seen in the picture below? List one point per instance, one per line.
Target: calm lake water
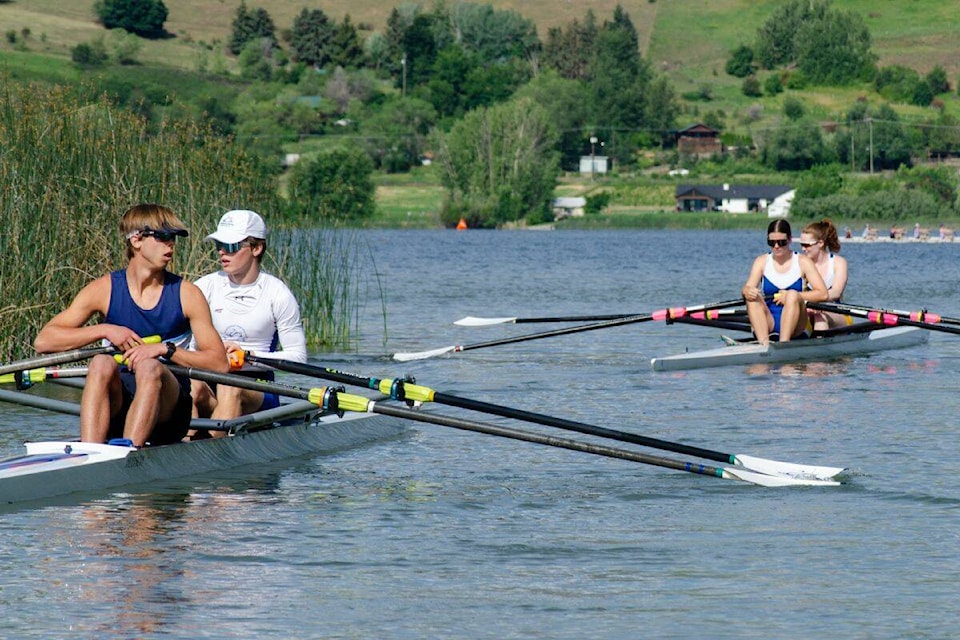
(447, 534)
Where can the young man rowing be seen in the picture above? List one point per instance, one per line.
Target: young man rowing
(141, 401)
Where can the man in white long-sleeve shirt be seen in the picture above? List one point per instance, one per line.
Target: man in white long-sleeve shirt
(251, 309)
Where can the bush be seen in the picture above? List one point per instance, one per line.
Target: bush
(740, 64)
(142, 17)
(751, 87)
(89, 54)
(886, 205)
(773, 85)
(597, 202)
(335, 185)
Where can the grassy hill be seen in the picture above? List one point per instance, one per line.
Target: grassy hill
(689, 40)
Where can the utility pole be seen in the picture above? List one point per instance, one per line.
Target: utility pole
(403, 63)
(593, 160)
(870, 122)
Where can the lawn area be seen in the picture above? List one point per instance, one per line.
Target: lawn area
(408, 200)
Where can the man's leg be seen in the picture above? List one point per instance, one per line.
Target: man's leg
(102, 398)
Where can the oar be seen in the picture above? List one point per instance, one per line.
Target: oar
(334, 400)
(884, 317)
(662, 314)
(400, 389)
(30, 377)
(63, 357)
(474, 321)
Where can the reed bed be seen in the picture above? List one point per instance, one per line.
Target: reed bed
(70, 165)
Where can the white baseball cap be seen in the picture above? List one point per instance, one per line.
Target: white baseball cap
(238, 225)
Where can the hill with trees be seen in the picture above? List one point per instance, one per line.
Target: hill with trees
(502, 101)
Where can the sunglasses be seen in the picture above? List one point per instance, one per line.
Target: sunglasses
(162, 235)
(807, 244)
(231, 248)
(778, 243)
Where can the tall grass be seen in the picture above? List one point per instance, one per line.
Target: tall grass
(70, 166)
(324, 268)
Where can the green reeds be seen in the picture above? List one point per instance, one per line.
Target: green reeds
(71, 165)
(322, 267)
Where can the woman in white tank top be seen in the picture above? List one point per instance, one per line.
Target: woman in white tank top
(820, 242)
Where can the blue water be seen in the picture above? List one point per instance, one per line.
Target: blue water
(448, 534)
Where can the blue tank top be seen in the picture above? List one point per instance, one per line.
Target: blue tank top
(166, 319)
(774, 281)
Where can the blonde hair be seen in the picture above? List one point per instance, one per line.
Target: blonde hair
(825, 231)
(147, 216)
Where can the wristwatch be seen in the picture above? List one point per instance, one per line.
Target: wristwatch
(171, 349)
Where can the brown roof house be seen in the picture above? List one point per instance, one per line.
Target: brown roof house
(699, 140)
(775, 199)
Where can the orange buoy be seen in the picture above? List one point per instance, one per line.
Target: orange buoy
(461, 225)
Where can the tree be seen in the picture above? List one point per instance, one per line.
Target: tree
(569, 51)
(499, 164)
(142, 17)
(346, 49)
(740, 63)
(494, 35)
(937, 79)
(566, 104)
(249, 26)
(419, 49)
(395, 133)
(795, 147)
(835, 50)
(310, 37)
(776, 43)
(335, 185)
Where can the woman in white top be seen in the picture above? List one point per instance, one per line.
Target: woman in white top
(251, 309)
(820, 242)
(779, 286)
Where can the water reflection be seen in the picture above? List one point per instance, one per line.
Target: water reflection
(801, 369)
(126, 573)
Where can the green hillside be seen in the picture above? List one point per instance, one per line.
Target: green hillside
(689, 40)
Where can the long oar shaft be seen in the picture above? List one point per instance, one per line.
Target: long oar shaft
(662, 314)
(918, 316)
(324, 397)
(405, 390)
(879, 316)
(335, 400)
(63, 357)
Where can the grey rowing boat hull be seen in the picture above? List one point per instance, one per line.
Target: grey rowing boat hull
(53, 469)
(825, 348)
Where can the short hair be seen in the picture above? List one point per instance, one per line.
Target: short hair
(147, 216)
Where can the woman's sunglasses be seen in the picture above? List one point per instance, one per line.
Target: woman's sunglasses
(231, 248)
(782, 242)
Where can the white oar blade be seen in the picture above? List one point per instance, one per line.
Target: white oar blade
(422, 355)
(764, 480)
(777, 468)
(472, 321)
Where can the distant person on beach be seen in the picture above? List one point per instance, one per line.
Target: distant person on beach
(820, 243)
(791, 279)
(866, 231)
(847, 233)
(916, 231)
